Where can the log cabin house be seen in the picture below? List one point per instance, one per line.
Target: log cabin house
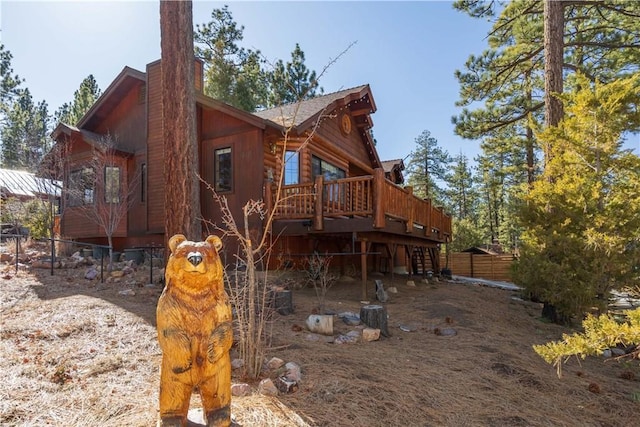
(336, 196)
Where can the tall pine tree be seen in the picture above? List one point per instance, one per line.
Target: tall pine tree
(428, 166)
(581, 239)
(83, 99)
(25, 133)
(233, 74)
(293, 81)
(506, 83)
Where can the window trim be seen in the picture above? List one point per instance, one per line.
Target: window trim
(79, 186)
(216, 167)
(109, 194)
(313, 174)
(288, 156)
(143, 182)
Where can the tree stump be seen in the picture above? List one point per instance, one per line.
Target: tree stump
(283, 301)
(375, 316)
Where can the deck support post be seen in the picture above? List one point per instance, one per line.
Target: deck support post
(378, 202)
(363, 267)
(268, 196)
(409, 250)
(318, 217)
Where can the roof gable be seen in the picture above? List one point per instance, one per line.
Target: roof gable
(111, 97)
(301, 115)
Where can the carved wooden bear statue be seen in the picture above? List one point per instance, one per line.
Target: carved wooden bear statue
(195, 333)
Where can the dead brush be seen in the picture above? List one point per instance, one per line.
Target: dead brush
(320, 277)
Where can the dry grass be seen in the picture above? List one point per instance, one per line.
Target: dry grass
(76, 353)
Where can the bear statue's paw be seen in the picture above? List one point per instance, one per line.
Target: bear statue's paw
(172, 422)
(220, 417)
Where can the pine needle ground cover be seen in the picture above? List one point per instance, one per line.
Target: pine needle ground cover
(77, 353)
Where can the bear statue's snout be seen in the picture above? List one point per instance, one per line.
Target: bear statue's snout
(194, 258)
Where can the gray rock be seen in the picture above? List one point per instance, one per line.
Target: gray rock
(618, 351)
(91, 274)
(381, 294)
(237, 363)
(352, 337)
(445, 332)
(293, 372)
(351, 319)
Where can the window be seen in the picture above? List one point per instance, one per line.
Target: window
(81, 187)
(329, 171)
(112, 184)
(223, 172)
(291, 168)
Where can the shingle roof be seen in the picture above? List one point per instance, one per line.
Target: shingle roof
(298, 113)
(26, 184)
(388, 165)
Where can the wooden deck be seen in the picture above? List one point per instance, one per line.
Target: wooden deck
(367, 209)
(365, 204)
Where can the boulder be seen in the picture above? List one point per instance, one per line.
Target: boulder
(267, 388)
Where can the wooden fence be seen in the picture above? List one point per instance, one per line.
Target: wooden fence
(490, 267)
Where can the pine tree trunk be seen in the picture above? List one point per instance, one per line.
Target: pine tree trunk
(182, 187)
(553, 60)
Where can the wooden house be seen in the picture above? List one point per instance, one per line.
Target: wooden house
(336, 198)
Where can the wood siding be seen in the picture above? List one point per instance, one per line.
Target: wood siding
(126, 123)
(247, 179)
(155, 151)
(79, 221)
(137, 218)
(349, 147)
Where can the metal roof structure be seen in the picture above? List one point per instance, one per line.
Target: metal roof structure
(15, 183)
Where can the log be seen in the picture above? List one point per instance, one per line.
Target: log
(320, 324)
(375, 316)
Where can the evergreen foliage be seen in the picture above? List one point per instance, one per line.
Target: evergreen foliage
(25, 133)
(600, 333)
(582, 220)
(83, 99)
(37, 218)
(9, 82)
(465, 234)
(502, 90)
(240, 77)
(233, 74)
(428, 168)
(293, 81)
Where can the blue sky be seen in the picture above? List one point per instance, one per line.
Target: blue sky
(406, 51)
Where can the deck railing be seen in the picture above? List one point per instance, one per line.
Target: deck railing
(362, 196)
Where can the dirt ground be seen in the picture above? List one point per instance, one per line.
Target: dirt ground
(81, 353)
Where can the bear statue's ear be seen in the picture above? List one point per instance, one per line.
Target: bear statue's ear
(215, 242)
(175, 241)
